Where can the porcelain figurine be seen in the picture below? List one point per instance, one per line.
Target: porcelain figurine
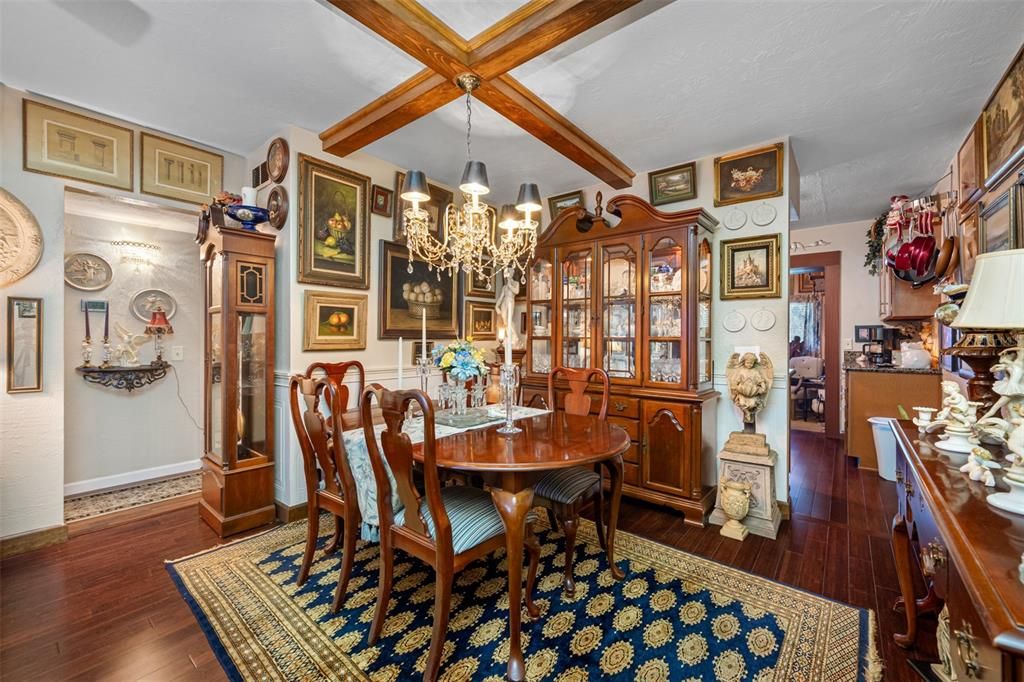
(736, 503)
(1011, 387)
(127, 352)
(750, 379)
(505, 307)
(977, 470)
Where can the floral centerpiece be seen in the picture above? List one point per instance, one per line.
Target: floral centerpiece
(463, 362)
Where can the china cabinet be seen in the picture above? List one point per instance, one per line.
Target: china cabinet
(633, 297)
(238, 458)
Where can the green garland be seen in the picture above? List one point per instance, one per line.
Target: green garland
(876, 237)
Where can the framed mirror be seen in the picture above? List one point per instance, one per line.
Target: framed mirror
(24, 344)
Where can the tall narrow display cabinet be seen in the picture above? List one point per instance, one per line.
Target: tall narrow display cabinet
(633, 297)
(238, 458)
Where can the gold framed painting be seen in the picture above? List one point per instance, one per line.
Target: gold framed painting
(677, 183)
(749, 175)
(1003, 124)
(475, 284)
(439, 200)
(179, 171)
(334, 321)
(751, 267)
(407, 298)
(968, 165)
(24, 345)
(481, 320)
(560, 202)
(69, 145)
(334, 244)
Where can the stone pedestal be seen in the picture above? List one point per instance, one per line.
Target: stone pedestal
(747, 458)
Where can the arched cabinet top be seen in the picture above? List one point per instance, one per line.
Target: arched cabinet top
(635, 216)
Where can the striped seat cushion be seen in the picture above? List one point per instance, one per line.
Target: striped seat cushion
(471, 513)
(565, 485)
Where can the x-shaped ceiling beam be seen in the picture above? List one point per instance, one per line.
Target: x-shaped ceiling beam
(531, 30)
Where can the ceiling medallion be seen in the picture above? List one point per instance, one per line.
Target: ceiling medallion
(471, 242)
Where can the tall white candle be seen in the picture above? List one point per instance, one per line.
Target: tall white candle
(423, 334)
(508, 337)
(248, 196)
(400, 344)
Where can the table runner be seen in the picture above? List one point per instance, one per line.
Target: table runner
(359, 461)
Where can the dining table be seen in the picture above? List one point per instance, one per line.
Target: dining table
(511, 464)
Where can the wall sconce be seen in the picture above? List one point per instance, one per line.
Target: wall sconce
(136, 253)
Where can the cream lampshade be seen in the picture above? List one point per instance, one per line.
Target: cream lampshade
(995, 299)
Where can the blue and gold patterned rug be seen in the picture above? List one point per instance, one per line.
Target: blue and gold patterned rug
(674, 617)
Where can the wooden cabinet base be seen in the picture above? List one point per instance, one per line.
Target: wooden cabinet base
(695, 511)
(238, 500)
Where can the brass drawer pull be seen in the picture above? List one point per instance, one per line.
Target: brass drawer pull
(620, 406)
(966, 650)
(899, 475)
(933, 557)
(908, 487)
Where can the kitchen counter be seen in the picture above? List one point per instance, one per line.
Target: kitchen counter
(892, 370)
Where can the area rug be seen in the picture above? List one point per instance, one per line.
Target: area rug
(674, 617)
(88, 505)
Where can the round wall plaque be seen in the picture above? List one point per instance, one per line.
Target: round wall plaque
(277, 159)
(277, 207)
(146, 301)
(763, 215)
(734, 321)
(735, 219)
(87, 271)
(21, 240)
(762, 320)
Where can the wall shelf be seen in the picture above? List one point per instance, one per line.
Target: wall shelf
(125, 378)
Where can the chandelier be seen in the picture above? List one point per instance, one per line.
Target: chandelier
(471, 242)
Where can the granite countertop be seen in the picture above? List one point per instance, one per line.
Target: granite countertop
(892, 370)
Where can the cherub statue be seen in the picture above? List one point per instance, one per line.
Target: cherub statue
(128, 350)
(750, 379)
(956, 409)
(505, 307)
(1011, 387)
(1015, 438)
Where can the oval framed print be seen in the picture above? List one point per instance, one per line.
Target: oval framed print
(762, 320)
(734, 321)
(144, 302)
(764, 214)
(277, 159)
(735, 219)
(86, 271)
(22, 239)
(277, 206)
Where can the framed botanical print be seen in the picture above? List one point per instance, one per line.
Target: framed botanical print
(481, 320)
(968, 244)
(751, 267)
(24, 345)
(968, 164)
(677, 183)
(406, 297)
(749, 175)
(179, 171)
(69, 145)
(381, 201)
(439, 200)
(334, 321)
(560, 202)
(478, 285)
(1003, 124)
(334, 245)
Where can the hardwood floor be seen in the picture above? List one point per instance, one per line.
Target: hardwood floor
(101, 606)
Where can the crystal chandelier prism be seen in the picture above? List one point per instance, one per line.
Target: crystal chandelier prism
(477, 240)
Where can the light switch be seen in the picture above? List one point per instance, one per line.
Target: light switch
(177, 352)
(847, 344)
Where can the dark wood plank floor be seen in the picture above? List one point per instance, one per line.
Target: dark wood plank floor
(101, 606)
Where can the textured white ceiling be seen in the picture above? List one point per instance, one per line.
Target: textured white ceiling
(875, 96)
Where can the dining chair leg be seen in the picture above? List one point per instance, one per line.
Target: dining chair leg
(312, 533)
(442, 604)
(383, 588)
(599, 517)
(533, 547)
(551, 518)
(569, 521)
(348, 552)
(332, 546)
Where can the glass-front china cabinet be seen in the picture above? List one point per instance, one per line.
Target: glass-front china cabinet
(238, 459)
(633, 297)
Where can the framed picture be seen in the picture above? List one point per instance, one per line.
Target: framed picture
(996, 223)
(417, 349)
(947, 338)
(178, 171)
(277, 159)
(334, 321)
(24, 345)
(749, 175)
(406, 296)
(677, 183)
(560, 202)
(481, 321)
(969, 244)
(334, 245)
(804, 283)
(751, 267)
(1003, 124)
(68, 145)
(277, 206)
(522, 323)
(381, 201)
(968, 163)
(867, 333)
(477, 285)
(439, 199)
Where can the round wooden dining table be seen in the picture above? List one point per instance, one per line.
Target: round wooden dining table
(512, 464)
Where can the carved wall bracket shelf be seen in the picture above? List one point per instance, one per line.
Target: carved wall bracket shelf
(124, 378)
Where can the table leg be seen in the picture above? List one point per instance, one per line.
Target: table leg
(901, 555)
(615, 474)
(513, 507)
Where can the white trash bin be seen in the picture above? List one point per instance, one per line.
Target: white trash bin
(885, 446)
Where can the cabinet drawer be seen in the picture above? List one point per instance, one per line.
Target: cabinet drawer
(932, 555)
(631, 426)
(631, 473)
(632, 455)
(621, 406)
(972, 653)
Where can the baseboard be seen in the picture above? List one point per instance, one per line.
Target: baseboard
(118, 480)
(784, 508)
(286, 514)
(33, 539)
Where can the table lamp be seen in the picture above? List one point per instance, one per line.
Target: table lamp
(159, 326)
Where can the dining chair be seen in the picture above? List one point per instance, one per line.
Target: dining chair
(336, 372)
(329, 483)
(565, 492)
(445, 527)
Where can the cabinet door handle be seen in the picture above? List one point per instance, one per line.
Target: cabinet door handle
(620, 406)
(899, 476)
(908, 488)
(966, 651)
(933, 557)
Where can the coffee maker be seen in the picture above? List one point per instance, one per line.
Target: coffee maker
(884, 340)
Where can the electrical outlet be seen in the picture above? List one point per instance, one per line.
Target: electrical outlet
(177, 353)
(847, 344)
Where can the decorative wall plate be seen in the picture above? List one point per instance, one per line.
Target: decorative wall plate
(734, 321)
(735, 219)
(21, 240)
(762, 320)
(145, 302)
(277, 159)
(763, 214)
(277, 207)
(87, 271)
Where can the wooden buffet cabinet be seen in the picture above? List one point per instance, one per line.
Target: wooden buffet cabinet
(968, 554)
(634, 298)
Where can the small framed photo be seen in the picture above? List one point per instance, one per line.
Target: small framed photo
(677, 183)
(417, 349)
(479, 285)
(751, 267)
(749, 175)
(334, 321)
(481, 321)
(867, 333)
(560, 202)
(381, 201)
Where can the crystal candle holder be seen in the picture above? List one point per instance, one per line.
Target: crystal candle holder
(107, 353)
(87, 352)
(423, 368)
(509, 382)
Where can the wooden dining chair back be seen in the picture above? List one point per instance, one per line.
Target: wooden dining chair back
(447, 527)
(577, 400)
(335, 372)
(316, 408)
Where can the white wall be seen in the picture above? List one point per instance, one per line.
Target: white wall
(774, 420)
(32, 424)
(112, 436)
